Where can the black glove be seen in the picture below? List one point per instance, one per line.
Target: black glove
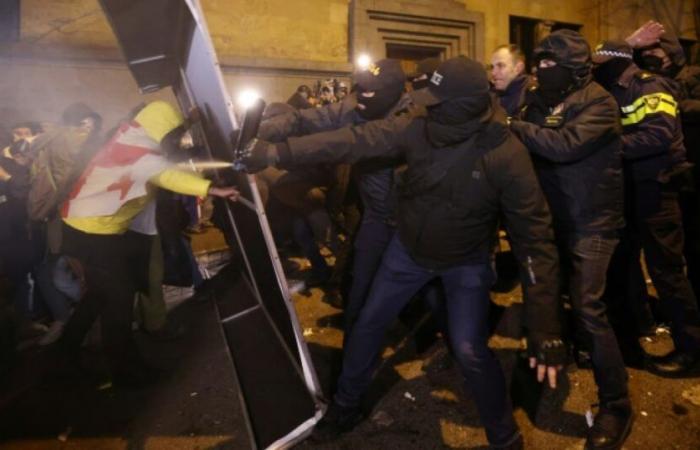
(548, 351)
(258, 155)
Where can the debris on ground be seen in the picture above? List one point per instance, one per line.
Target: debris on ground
(407, 395)
(63, 437)
(693, 395)
(383, 419)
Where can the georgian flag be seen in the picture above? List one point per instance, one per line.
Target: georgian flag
(119, 172)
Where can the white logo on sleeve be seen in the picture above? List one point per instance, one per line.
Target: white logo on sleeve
(436, 79)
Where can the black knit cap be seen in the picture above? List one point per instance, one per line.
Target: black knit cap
(607, 50)
(454, 78)
(380, 75)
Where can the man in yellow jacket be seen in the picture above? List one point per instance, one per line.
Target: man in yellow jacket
(114, 187)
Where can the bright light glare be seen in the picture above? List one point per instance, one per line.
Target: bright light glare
(363, 61)
(247, 98)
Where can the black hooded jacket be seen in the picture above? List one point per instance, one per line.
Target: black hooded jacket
(576, 146)
(453, 193)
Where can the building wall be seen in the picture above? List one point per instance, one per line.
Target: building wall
(497, 12)
(67, 51)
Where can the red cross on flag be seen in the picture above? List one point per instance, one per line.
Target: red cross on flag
(119, 172)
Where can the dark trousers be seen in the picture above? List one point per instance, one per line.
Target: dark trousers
(585, 259)
(627, 297)
(467, 290)
(304, 237)
(115, 267)
(371, 241)
(656, 222)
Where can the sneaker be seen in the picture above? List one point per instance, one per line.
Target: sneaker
(338, 420)
(54, 332)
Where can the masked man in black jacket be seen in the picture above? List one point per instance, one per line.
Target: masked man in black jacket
(572, 129)
(655, 157)
(464, 169)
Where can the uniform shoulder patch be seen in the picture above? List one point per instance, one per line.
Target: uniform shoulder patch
(644, 75)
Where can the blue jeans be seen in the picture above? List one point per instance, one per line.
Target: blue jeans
(467, 290)
(371, 241)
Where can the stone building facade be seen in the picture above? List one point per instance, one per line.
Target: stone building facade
(66, 51)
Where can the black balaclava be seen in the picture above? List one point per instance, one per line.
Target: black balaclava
(652, 63)
(607, 73)
(555, 83)
(377, 106)
(458, 110)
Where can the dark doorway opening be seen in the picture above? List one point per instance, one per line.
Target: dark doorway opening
(527, 32)
(409, 55)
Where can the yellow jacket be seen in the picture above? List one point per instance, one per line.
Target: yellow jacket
(179, 181)
(158, 118)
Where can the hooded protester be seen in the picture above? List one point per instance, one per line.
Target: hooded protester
(654, 157)
(464, 170)
(667, 58)
(111, 191)
(378, 94)
(571, 127)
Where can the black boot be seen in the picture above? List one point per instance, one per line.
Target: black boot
(675, 364)
(338, 420)
(610, 429)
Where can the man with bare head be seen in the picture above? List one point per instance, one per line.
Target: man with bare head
(508, 77)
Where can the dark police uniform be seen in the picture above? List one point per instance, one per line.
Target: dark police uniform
(654, 156)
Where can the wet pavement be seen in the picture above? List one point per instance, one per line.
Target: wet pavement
(414, 406)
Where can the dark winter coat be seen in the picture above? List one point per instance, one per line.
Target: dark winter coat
(576, 146)
(451, 196)
(513, 97)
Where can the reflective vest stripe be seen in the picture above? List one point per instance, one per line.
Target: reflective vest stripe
(659, 102)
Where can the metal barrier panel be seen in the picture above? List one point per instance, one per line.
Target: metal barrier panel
(166, 44)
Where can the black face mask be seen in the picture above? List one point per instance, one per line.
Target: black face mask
(609, 72)
(459, 110)
(652, 63)
(379, 105)
(555, 83)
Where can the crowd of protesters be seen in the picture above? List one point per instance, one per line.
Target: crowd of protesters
(405, 180)
(585, 164)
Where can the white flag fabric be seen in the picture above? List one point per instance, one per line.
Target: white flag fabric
(118, 173)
